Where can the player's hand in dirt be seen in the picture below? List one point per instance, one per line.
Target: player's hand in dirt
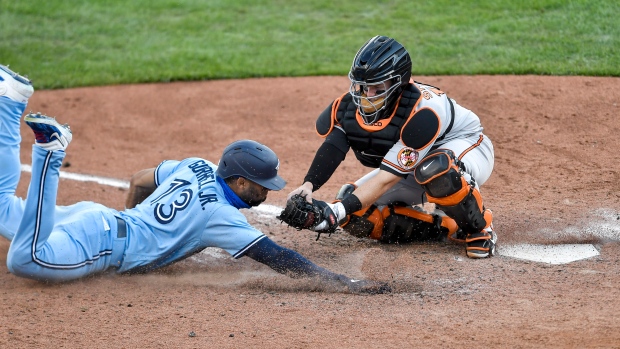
(368, 287)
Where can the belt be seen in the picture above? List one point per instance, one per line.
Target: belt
(121, 231)
(118, 248)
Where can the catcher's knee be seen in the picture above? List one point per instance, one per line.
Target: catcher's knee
(440, 174)
(398, 224)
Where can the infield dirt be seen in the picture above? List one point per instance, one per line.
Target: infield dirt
(556, 181)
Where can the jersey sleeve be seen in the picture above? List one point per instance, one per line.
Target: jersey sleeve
(423, 129)
(326, 160)
(167, 167)
(401, 159)
(164, 169)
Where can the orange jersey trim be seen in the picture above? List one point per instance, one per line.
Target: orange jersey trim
(395, 166)
(477, 144)
(380, 124)
(335, 106)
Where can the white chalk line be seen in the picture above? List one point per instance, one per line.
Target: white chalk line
(86, 178)
(607, 227)
(263, 210)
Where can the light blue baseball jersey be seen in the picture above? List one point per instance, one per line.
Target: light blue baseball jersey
(187, 212)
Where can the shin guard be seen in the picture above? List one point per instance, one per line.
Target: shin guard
(398, 224)
(440, 174)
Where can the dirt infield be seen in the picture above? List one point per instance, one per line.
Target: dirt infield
(556, 181)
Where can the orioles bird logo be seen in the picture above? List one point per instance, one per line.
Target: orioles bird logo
(407, 158)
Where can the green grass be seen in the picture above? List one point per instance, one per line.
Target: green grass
(68, 43)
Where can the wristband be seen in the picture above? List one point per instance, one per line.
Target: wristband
(351, 204)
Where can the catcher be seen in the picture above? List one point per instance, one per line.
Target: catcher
(423, 147)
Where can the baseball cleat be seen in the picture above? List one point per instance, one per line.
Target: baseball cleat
(14, 86)
(48, 133)
(482, 244)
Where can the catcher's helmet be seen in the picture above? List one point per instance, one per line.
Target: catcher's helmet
(251, 160)
(381, 61)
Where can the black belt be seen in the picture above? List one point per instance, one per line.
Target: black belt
(121, 228)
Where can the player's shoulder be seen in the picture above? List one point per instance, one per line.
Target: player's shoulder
(431, 95)
(328, 118)
(168, 168)
(195, 159)
(194, 162)
(230, 215)
(423, 125)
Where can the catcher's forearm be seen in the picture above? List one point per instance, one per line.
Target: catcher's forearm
(366, 177)
(373, 187)
(325, 163)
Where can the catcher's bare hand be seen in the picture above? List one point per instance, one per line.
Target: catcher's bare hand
(304, 190)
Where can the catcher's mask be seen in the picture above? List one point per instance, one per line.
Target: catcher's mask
(384, 65)
(252, 160)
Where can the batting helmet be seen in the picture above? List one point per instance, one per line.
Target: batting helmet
(380, 60)
(251, 160)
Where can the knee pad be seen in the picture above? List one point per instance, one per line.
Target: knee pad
(398, 224)
(440, 174)
(345, 190)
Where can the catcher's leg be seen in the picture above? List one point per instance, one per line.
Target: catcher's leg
(398, 224)
(441, 175)
(394, 218)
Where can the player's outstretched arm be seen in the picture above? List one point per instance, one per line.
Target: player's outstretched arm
(289, 262)
(142, 185)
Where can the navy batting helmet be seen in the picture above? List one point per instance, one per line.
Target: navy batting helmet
(381, 60)
(252, 160)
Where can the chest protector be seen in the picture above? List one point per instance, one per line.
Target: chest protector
(370, 143)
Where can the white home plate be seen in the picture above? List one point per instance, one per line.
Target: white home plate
(552, 254)
(267, 210)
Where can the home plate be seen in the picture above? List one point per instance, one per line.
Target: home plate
(552, 254)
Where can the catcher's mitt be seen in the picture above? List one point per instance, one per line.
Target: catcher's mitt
(300, 214)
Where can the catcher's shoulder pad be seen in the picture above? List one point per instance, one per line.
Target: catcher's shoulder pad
(326, 120)
(421, 129)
